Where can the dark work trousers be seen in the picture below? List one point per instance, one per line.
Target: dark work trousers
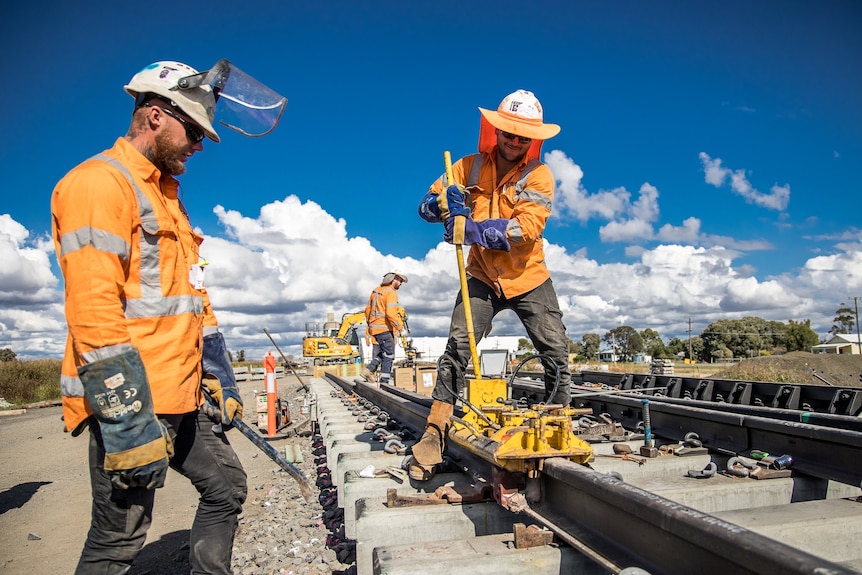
(120, 518)
(538, 310)
(384, 355)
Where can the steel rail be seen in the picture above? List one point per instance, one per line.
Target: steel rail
(624, 525)
(659, 535)
(534, 390)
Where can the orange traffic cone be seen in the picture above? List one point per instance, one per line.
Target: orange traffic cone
(271, 396)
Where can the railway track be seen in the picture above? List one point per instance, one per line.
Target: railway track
(703, 504)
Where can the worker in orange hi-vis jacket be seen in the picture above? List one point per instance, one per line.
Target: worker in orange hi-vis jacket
(384, 325)
(505, 194)
(143, 339)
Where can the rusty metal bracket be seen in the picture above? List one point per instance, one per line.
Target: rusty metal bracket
(393, 499)
(441, 496)
(532, 536)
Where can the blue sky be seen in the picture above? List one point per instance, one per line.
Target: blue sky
(707, 165)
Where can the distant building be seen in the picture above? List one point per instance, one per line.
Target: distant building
(839, 343)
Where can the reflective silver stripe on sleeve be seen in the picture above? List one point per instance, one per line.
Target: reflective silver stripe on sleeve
(139, 308)
(106, 352)
(209, 330)
(99, 239)
(71, 386)
(513, 230)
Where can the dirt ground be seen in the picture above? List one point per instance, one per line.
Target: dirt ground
(842, 370)
(45, 495)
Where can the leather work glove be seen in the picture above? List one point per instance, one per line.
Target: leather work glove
(455, 198)
(137, 445)
(453, 201)
(429, 210)
(489, 234)
(219, 378)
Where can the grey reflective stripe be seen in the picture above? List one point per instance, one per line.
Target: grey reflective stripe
(106, 352)
(99, 239)
(525, 194)
(513, 230)
(138, 308)
(151, 303)
(151, 282)
(71, 386)
(473, 178)
(376, 316)
(210, 329)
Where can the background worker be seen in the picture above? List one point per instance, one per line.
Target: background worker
(505, 194)
(142, 334)
(384, 324)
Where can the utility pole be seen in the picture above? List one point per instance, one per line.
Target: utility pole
(856, 307)
(689, 341)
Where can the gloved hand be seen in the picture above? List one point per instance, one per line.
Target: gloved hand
(429, 210)
(489, 234)
(219, 378)
(137, 445)
(455, 204)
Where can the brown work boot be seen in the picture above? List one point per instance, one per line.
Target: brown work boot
(367, 375)
(419, 472)
(428, 451)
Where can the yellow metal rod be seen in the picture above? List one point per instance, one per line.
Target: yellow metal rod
(462, 273)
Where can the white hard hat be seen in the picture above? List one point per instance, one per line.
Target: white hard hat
(387, 279)
(520, 113)
(162, 78)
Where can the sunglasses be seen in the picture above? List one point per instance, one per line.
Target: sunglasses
(193, 133)
(515, 138)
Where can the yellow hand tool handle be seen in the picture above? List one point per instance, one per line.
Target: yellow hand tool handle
(458, 240)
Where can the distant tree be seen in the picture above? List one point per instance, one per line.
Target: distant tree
(676, 346)
(653, 343)
(843, 321)
(799, 336)
(576, 348)
(746, 337)
(230, 356)
(6, 354)
(592, 345)
(240, 356)
(625, 341)
(525, 348)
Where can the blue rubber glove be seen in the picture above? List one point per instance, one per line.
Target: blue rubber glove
(137, 445)
(219, 378)
(489, 234)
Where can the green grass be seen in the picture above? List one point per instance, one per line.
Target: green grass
(23, 382)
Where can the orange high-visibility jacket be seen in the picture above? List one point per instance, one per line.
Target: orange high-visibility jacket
(524, 197)
(128, 256)
(381, 311)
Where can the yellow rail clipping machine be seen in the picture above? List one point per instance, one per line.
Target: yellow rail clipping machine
(515, 437)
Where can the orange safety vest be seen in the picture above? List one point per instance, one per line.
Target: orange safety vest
(524, 197)
(381, 311)
(129, 257)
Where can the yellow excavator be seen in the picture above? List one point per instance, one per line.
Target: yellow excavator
(330, 345)
(338, 343)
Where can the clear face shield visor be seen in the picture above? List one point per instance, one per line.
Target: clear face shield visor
(242, 103)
